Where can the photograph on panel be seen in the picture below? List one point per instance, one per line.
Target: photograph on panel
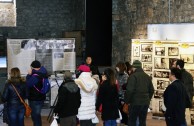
(162, 84)
(161, 74)
(191, 72)
(146, 47)
(136, 51)
(173, 51)
(172, 62)
(160, 51)
(146, 58)
(161, 63)
(158, 94)
(147, 67)
(160, 106)
(187, 58)
(28, 44)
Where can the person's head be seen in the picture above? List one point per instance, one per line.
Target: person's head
(175, 73)
(121, 67)
(129, 68)
(67, 75)
(35, 64)
(15, 75)
(180, 64)
(88, 60)
(109, 75)
(137, 64)
(82, 68)
(162, 60)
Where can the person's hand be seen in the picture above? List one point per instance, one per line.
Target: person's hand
(30, 71)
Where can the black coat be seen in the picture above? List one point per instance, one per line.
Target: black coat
(69, 99)
(108, 97)
(175, 98)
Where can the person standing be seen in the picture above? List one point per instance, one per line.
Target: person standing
(139, 92)
(187, 80)
(175, 97)
(88, 88)
(36, 99)
(15, 107)
(108, 98)
(122, 77)
(69, 100)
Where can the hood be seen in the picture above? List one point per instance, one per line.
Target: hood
(86, 82)
(41, 72)
(71, 86)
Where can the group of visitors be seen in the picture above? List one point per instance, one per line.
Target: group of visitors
(91, 93)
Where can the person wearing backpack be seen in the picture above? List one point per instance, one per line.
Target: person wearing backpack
(34, 80)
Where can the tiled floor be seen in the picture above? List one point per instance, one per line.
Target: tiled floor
(150, 121)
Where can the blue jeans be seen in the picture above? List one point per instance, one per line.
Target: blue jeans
(16, 115)
(135, 112)
(36, 107)
(110, 123)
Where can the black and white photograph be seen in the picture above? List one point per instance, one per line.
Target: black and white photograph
(161, 63)
(160, 106)
(187, 58)
(162, 84)
(160, 51)
(147, 67)
(146, 47)
(158, 94)
(28, 44)
(146, 58)
(171, 61)
(191, 72)
(58, 55)
(136, 51)
(161, 74)
(173, 51)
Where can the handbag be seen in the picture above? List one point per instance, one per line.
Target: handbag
(126, 108)
(27, 107)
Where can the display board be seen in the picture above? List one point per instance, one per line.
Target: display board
(55, 54)
(157, 58)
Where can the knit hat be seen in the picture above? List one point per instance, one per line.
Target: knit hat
(68, 75)
(84, 68)
(35, 64)
(137, 64)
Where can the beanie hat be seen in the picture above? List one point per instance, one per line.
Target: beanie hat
(137, 64)
(68, 75)
(84, 68)
(35, 64)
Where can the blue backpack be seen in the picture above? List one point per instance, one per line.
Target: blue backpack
(45, 85)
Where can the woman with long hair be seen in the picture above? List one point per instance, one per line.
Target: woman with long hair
(108, 97)
(15, 108)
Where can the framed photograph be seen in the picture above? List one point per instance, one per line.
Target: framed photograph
(160, 51)
(136, 51)
(146, 57)
(173, 51)
(162, 84)
(161, 63)
(171, 62)
(191, 72)
(146, 47)
(187, 58)
(161, 74)
(158, 94)
(147, 67)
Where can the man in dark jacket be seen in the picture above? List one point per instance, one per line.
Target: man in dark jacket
(139, 92)
(36, 98)
(175, 99)
(69, 100)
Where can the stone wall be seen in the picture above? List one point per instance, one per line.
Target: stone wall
(130, 19)
(46, 18)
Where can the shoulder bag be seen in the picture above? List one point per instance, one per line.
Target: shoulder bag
(27, 107)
